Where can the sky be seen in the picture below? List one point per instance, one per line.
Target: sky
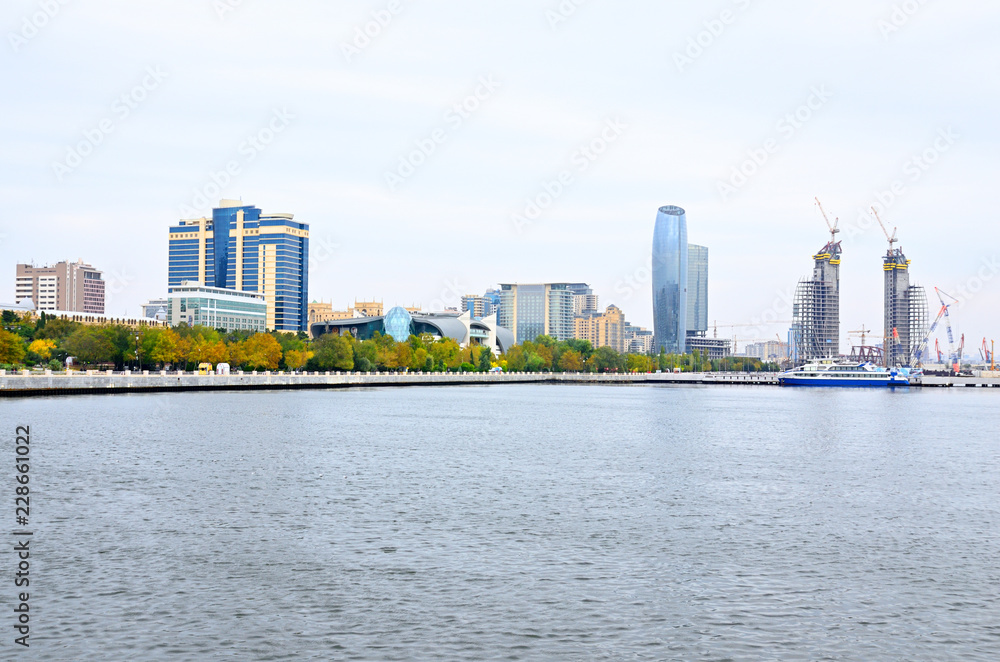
(440, 148)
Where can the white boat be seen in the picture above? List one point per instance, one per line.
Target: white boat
(828, 372)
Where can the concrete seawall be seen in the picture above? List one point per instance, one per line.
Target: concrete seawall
(28, 384)
(91, 382)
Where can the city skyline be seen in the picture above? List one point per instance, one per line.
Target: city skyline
(864, 114)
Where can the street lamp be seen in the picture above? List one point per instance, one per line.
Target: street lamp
(138, 360)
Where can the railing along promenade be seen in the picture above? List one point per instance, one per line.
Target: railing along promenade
(47, 382)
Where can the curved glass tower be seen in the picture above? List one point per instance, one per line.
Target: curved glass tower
(670, 280)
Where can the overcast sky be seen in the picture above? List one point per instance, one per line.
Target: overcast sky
(414, 136)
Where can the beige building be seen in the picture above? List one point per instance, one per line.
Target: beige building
(607, 330)
(324, 312)
(67, 286)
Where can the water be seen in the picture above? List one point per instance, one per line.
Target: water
(515, 523)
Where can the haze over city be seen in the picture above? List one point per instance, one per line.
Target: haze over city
(413, 137)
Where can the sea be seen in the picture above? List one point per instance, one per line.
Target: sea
(509, 522)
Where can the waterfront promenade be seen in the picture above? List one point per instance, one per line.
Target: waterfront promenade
(90, 382)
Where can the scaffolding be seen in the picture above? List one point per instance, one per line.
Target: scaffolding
(905, 311)
(816, 309)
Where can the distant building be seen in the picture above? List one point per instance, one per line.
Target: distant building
(400, 323)
(217, 308)
(482, 306)
(638, 340)
(66, 286)
(585, 301)
(772, 351)
(532, 310)
(670, 276)
(155, 309)
(697, 290)
(607, 330)
(711, 348)
(242, 249)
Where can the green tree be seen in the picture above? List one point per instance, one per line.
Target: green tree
(333, 352)
(90, 345)
(11, 346)
(485, 359)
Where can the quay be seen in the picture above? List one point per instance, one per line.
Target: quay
(28, 383)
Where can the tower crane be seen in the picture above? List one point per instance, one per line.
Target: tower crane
(892, 239)
(834, 227)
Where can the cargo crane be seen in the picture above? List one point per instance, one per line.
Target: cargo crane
(942, 313)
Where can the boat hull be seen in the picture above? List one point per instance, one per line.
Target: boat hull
(841, 383)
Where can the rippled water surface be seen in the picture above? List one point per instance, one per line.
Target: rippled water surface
(514, 522)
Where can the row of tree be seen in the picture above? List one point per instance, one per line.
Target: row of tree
(26, 341)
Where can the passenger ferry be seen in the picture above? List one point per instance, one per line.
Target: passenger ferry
(827, 372)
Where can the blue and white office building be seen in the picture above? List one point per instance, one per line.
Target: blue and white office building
(240, 248)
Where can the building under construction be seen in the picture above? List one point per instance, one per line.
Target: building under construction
(815, 330)
(905, 309)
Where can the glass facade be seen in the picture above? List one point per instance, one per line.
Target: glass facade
(538, 309)
(398, 323)
(697, 308)
(217, 308)
(670, 280)
(248, 251)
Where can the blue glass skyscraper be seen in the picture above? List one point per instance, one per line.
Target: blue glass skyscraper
(240, 248)
(670, 280)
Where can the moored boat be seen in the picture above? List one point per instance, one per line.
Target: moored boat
(828, 372)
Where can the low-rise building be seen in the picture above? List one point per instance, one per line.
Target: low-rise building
(217, 308)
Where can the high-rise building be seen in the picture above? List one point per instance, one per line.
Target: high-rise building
(533, 310)
(66, 286)
(905, 310)
(585, 302)
(816, 309)
(697, 299)
(607, 330)
(242, 249)
(670, 276)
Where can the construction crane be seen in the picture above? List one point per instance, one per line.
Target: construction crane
(937, 348)
(892, 239)
(942, 313)
(863, 332)
(834, 227)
